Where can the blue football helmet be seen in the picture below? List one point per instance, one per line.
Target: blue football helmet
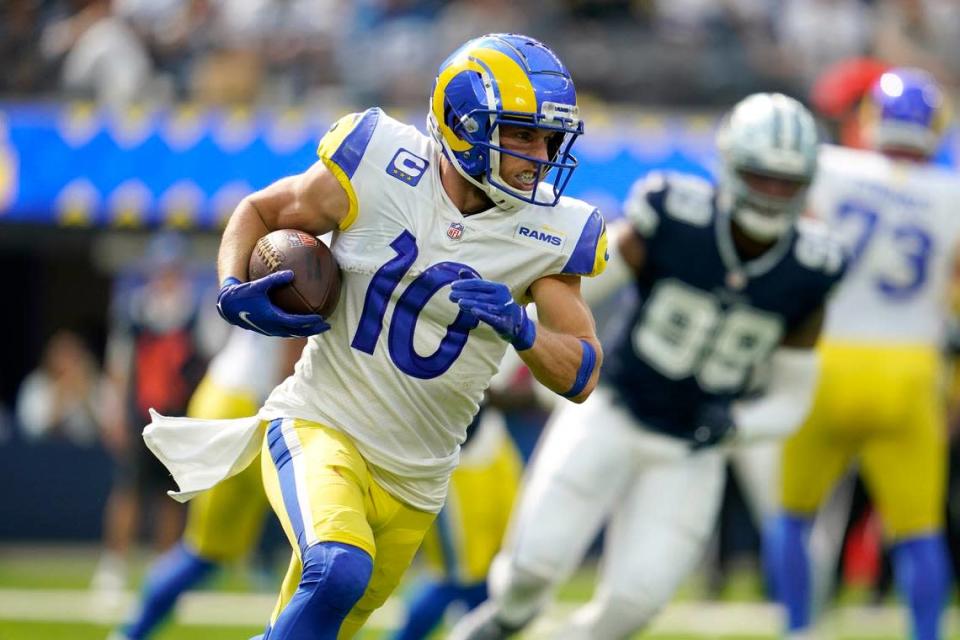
(507, 79)
(906, 111)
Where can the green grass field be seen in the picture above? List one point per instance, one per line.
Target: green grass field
(51, 631)
(43, 596)
(17, 630)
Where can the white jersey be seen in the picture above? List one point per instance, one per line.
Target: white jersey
(248, 363)
(900, 225)
(402, 371)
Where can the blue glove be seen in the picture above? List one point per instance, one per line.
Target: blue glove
(492, 303)
(247, 305)
(714, 426)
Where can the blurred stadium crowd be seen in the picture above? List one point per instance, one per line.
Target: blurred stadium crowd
(648, 55)
(281, 52)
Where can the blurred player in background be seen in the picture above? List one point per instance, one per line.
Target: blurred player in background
(727, 279)
(361, 440)
(880, 397)
(223, 524)
(837, 98)
(157, 351)
(469, 529)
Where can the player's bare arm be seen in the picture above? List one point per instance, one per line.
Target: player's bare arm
(565, 318)
(292, 349)
(312, 201)
(629, 245)
(556, 358)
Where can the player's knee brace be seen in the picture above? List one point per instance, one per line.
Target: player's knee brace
(334, 578)
(337, 573)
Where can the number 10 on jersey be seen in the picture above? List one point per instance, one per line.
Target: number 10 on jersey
(407, 310)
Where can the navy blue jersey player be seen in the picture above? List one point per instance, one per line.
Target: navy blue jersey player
(730, 286)
(712, 304)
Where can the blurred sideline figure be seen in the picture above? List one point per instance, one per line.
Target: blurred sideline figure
(469, 529)
(156, 353)
(102, 57)
(61, 398)
(224, 523)
(647, 451)
(880, 398)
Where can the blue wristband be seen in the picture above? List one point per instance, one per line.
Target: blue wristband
(587, 362)
(229, 280)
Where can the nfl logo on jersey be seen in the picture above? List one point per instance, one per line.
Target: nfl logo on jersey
(455, 231)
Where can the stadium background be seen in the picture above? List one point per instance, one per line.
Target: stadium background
(119, 119)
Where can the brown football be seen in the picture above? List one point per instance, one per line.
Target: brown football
(316, 277)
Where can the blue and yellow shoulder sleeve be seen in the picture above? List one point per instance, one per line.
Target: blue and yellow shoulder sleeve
(342, 148)
(589, 257)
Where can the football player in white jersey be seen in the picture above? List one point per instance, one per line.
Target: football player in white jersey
(441, 239)
(727, 279)
(880, 398)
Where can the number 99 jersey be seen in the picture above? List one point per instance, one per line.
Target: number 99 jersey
(703, 320)
(899, 224)
(402, 370)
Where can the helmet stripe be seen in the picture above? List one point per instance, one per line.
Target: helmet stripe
(777, 139)
(789, 128)
(798, 127)
(493, 89)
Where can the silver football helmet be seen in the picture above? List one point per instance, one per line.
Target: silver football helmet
(772, 136)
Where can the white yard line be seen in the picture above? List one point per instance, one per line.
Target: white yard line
(243, 609)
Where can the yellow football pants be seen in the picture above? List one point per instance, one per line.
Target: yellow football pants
(322, 490)
(882, 406)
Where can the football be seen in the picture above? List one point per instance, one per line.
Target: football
(316, 277)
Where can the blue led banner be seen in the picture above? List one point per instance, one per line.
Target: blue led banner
(186, 168)
(73, 165)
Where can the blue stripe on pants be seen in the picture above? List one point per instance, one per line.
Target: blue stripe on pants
(283, 463)
(447, 546)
